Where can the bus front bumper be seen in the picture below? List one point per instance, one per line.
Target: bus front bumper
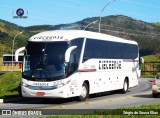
(63, 92)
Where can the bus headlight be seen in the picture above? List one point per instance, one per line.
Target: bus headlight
(60, 83)
(24, 84)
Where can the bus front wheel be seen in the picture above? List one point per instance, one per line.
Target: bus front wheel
(84, 93)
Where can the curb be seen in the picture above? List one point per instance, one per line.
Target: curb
(16, 99)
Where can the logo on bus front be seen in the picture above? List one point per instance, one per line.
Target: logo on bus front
(40, 84)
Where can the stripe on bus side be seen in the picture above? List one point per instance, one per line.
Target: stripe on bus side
(130, 60)
(87, 70)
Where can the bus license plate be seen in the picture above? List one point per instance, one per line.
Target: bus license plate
(40, 93)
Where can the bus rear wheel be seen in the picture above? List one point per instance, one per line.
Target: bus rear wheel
(155, 95)
(125, 86)
(84, 93)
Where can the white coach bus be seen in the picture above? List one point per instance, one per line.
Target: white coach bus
(69, 63)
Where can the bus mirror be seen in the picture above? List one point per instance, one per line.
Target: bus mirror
(68, 52)
(142, 60)
(17, 53)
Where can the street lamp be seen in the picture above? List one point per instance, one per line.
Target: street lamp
(13, 47)
(102, 12)
(90, 24)
(81, 57)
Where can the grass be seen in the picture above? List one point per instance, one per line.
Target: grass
(149, 67)
(148, 75)
(151, 58)
(117, 113)
(9, 84)
(0, 60)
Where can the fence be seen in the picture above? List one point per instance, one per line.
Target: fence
(146, 67)
(150, 67)
(8, 67)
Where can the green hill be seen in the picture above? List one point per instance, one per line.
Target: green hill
(146, 34)
(7, 32)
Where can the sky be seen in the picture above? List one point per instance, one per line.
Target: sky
(53, 12)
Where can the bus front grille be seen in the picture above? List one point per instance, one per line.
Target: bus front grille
(41, 87)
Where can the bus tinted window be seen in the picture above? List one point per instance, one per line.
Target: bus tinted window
(108, 49)
(75, 55)
(77, 42)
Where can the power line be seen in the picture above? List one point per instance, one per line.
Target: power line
(141, 4)
(6, 6)
(48, 20)
(95, 11)
(84, 9)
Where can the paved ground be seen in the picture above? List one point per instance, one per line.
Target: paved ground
(136, 96)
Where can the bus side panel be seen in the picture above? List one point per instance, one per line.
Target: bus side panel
(77, 80)
(109, 74)
(131, 67)
(102, 75)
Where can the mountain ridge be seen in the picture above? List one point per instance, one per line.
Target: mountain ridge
(146, 34)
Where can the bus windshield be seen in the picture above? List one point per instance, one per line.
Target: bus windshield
(44, 61)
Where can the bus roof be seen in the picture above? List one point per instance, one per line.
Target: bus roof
(67, 35)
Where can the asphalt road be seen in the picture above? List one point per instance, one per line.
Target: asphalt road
(140, 95)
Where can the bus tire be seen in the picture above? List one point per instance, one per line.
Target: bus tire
(125, 86)
(84, 93)
(19, 90)
(155, 95)
(46, 100)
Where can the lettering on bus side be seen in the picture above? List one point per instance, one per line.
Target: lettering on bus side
(109, 65)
